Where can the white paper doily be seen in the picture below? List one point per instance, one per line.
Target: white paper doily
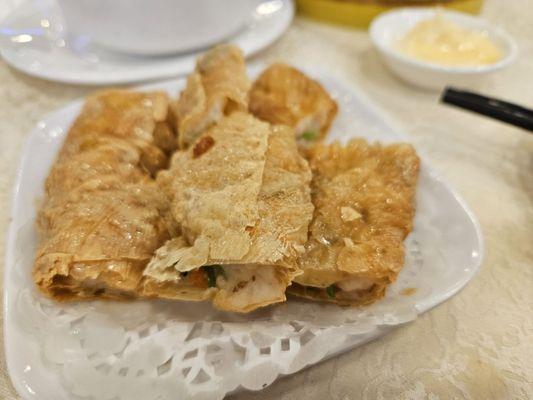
(158, 350)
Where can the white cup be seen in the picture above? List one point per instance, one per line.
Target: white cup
(155, 27)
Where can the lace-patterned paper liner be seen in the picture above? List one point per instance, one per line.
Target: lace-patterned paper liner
(100, 357)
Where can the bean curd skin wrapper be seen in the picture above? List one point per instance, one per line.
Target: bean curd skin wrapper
(241, 195)
(284, 95)
(240, 214)
(218, 86)
(103, 216)
(364, 198)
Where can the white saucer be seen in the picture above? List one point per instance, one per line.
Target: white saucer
(32, 40)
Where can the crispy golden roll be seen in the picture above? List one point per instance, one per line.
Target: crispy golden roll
(218, 87)
(364, 206)
(103, 215)
(284, 95)
(241, 196)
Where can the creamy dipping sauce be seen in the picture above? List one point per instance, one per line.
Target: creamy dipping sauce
(441, 41)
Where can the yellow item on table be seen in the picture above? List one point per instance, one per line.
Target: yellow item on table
(441, 41)
(359, 13)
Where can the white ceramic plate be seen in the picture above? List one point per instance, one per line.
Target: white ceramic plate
(32, 40)
(145, 349)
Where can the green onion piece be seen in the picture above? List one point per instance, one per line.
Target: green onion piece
(330, 290)
(212, 272)
(309, 135)
(211, 275)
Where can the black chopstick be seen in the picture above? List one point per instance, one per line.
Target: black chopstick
(490, 107)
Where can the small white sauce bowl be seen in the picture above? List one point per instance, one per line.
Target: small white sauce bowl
(387, 29)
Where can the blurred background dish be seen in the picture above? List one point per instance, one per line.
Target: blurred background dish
(390, 29)
(155, 27)
(360, 13)
(34, 40)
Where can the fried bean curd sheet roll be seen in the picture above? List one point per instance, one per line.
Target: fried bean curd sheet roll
(218, 87)
(241, 195)
(284, 95)
(103, 215)
(364, 207)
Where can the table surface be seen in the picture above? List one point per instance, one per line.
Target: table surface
(478, 345)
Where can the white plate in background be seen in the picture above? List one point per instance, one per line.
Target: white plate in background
(32, 40)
